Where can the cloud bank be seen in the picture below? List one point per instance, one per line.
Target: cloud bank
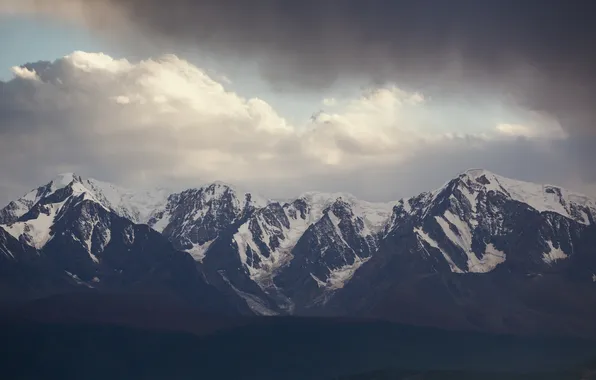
(165, 121)
(539, 54)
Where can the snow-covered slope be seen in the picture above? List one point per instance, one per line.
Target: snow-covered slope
(299, 254)
(542, 198)
(194, 218)
(21, 206)
(266, 240)
(480, 252)
(267, 232)
(32, 217)
(36, 231)
(134, 205)
(33, 221)
(471, 219)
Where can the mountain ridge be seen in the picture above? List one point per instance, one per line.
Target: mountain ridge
(329, 253)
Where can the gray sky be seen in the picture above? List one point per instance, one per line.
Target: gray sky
(382, 99)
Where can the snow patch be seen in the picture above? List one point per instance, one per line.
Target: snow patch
(489, 260)
(94, 258)
(463, 239)
(320, 284)
(424, 236)
(36, 232)
(553, 254)
(338, 277)
(78, 280)
(253, 302)
(162, 222)
(244, 240)
(199, 251)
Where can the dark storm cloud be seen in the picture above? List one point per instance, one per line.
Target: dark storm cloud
(541, 53)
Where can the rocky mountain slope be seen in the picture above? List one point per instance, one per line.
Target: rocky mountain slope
(71, 238)
(481, 252)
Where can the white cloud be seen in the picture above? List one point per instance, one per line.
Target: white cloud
(370, 126)
(157, 119)
(542, 128)
(24, 73)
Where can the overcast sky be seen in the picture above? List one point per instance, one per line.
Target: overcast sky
(379, 98)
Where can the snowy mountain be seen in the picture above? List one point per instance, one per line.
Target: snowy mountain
(266, 240)
(193, 219)
(134, 205)
(75, 236)
(483, 251)
(478, 215)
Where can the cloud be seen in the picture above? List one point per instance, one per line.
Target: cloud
(539, 54)
(166, 108)
(542, 128)
(165, 121)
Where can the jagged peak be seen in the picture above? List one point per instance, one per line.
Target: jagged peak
(219, 188)
(318, 202)
(471, 183)
(375, 214)
(132, 204)
(482, 178)
(496, 181)
(541, 197)
(214, 194)
(78, 185)
(64, 179)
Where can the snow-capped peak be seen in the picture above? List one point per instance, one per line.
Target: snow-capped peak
(64, 179)
(218, 188)
(194, 218)
(375, 213)
(15, 209)
(476, 172)
(540, 197)
(319, 201)
(134, 205)
(477, 208)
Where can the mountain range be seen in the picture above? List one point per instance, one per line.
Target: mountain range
(483, 252)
